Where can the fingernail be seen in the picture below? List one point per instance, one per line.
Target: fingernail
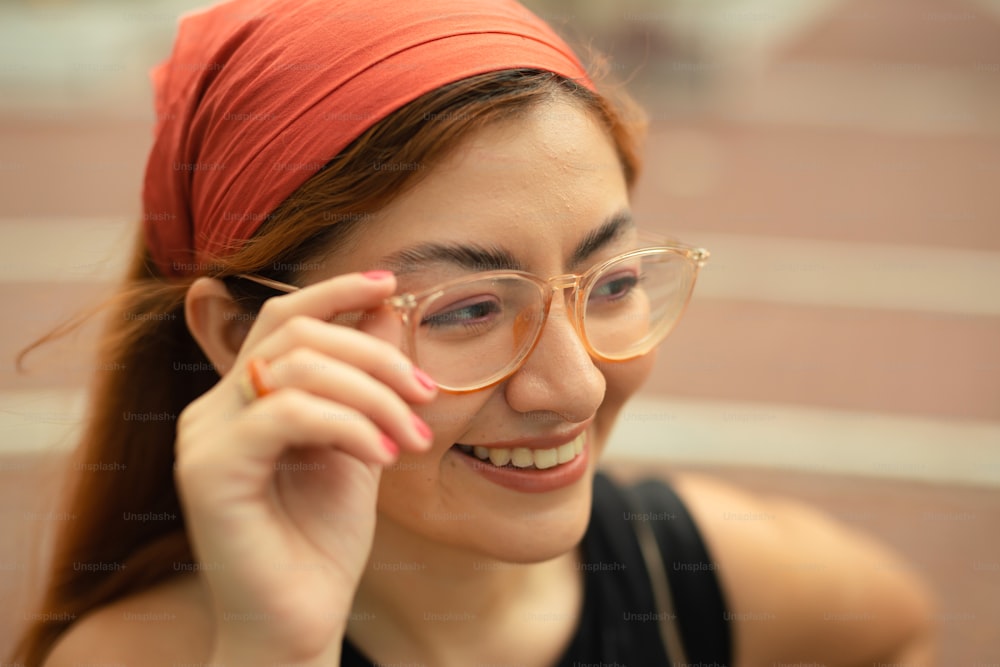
(377, 275)
(389, 445)
(422, 428)
(424, 379)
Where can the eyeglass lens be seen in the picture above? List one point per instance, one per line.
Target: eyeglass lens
(474, 333)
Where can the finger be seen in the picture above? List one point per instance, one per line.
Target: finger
(324, 300)
(374, 356)
(291, 417)
(348, 385)
(383, 324)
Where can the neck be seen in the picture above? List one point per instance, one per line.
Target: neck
(425, 592)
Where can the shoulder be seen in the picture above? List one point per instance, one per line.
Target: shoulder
(169, 621)
(800, 586)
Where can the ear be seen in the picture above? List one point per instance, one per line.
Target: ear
(216, 323)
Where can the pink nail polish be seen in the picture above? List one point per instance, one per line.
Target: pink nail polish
(424, 379)
(377, 275)
(389, 445)
(422, 428)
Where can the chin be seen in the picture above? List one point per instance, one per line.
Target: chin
(488, 519)
(489, 522)
(531, 528)
(540, 535)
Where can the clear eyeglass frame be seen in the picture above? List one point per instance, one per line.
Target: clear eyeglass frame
(579, 284)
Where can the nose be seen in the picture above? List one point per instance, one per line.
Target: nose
(559, 376)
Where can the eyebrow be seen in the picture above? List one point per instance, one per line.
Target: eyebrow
(609, 231)
(474, 257)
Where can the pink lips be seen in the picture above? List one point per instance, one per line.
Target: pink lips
(532, 480)
(536, 443)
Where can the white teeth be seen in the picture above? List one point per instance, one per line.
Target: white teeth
(522, 457)
(499, 456)
(546, 458)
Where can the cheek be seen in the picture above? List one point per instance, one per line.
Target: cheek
(623, 381)
(412, 480)
(449, 416)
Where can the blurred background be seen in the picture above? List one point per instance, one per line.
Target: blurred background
(840, 158)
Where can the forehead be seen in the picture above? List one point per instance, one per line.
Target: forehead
(535, 182)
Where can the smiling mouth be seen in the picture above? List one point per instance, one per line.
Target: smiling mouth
(523, 457)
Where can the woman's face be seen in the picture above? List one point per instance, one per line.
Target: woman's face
(535, 187)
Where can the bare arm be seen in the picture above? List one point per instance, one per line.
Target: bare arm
(801, 588)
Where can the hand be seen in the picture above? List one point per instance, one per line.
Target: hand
(279, 494)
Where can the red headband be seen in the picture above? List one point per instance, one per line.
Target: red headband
(258, 95)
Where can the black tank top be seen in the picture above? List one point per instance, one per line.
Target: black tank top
(618, 626)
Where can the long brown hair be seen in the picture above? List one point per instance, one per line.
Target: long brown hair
(128, 531)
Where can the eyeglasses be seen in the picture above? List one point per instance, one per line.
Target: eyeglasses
(475, 332)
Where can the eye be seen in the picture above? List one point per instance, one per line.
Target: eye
(614, 287)
(468, 312)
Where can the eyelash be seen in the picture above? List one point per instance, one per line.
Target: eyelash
(443, 319)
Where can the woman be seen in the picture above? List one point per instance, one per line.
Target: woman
(387, 305)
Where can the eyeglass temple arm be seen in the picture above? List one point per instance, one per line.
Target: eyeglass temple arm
(267, 282)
